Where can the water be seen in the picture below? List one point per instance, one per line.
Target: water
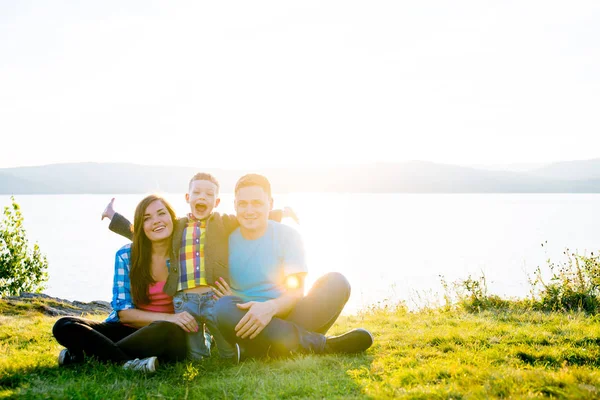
(390, 246)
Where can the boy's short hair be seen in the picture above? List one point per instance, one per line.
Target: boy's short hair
(254, 180)
(203, 176)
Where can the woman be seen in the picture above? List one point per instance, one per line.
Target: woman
(142, 327)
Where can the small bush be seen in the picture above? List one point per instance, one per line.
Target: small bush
(574, 284)
(472, 295)
(22, 268)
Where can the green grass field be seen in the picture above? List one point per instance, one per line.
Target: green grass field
(429, 354)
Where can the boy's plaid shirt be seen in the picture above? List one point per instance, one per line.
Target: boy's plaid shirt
(191, 255)
(122, 299)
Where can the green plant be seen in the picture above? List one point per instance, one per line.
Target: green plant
(472, 295)
(22, 268)
(574, 284)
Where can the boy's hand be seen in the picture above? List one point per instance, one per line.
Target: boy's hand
(221, 288)
(289, 213)
(109, 211)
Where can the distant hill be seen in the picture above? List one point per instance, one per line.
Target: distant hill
(570, 170)
(10, 184)
(413, 177)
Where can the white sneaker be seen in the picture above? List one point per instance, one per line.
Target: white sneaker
(148, 365)
(64, 357)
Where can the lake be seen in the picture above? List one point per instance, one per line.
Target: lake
(390, 246)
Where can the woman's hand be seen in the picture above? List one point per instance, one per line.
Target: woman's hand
(185, 321)
(221, 288)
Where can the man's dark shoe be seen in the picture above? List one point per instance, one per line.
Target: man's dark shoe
(354, 341)
(238, 354)
(241, 353)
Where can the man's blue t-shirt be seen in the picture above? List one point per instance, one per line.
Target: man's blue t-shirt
(258, 268)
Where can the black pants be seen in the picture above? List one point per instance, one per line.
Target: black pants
(119, 343)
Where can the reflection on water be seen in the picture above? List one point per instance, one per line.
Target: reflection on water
(390, 246)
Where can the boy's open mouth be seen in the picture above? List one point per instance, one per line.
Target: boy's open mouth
(201, 207)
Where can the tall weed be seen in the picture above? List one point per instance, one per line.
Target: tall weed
(574, 284)
(472, 295)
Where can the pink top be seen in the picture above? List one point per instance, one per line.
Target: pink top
(159, 300)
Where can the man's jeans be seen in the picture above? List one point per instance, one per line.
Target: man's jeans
(201, 307)
(301, 331)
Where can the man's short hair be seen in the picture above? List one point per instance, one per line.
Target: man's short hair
(203, 176)
(254, 180)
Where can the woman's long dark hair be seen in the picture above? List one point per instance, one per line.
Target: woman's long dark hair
(140, 275)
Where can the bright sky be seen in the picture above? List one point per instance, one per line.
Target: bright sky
(256, 83)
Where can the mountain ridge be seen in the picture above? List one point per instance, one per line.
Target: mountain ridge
(404, 177)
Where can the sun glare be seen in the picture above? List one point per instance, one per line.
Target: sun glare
(292, 282)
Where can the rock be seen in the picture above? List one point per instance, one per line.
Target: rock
(55, 306)
(51, 310)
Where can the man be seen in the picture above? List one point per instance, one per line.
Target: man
(268, 313)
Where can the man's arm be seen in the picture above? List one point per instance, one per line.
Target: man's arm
(294, 285)
(286, 212)
(230, 223)
(294, 291)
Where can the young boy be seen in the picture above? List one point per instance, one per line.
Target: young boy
(199, 259)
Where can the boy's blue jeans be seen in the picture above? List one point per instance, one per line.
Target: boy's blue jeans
(301, 331)
(200, 306)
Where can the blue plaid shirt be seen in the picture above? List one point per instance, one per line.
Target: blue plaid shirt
(121, 299)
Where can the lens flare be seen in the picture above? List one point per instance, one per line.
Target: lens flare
(292, 282)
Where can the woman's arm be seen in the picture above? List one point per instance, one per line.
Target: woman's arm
(141, 318)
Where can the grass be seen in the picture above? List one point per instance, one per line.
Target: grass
(428, 354)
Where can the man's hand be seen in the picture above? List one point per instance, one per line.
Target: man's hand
(256, 319)
(288, 212)
(185, 321)
(109, 211)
